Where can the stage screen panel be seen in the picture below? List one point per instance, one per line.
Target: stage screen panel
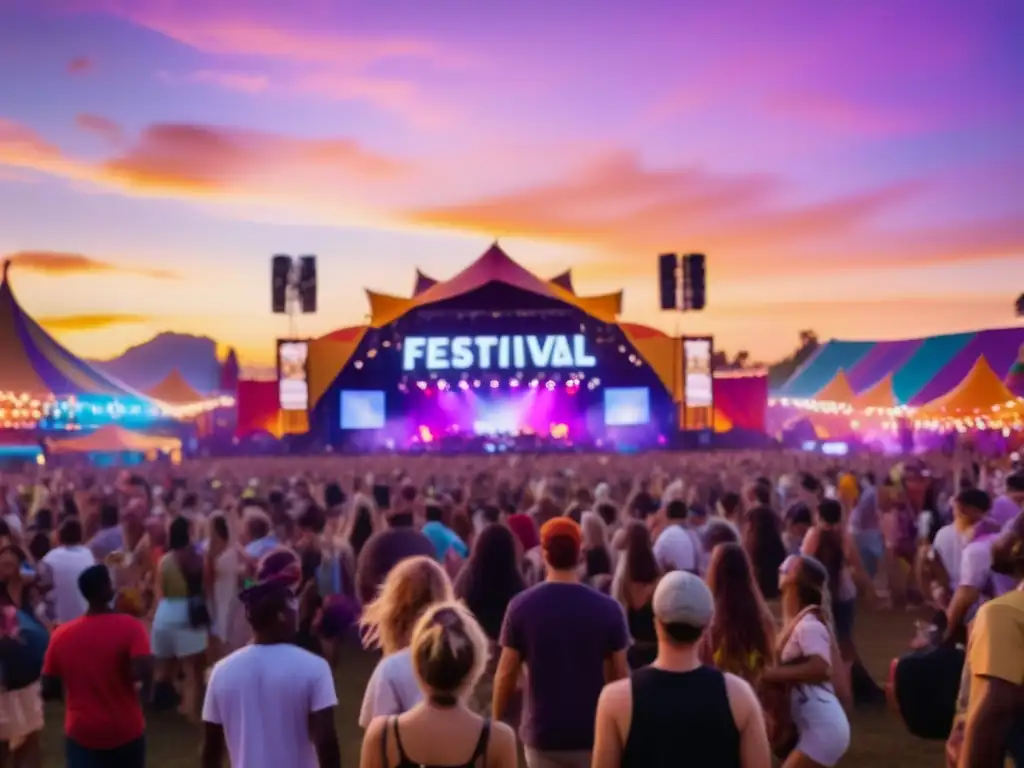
(627, 406)
(363, 409)
(292, 384)
(698, 383)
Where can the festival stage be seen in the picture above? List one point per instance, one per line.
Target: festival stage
(496, 359)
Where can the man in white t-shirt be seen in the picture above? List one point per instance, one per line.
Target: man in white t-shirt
(63, 565)
(674, 548)
(271, 704)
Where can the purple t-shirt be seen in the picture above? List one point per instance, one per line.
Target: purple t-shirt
(564, 633)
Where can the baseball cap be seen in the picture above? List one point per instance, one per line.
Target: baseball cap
(682, 598)
(560, 527)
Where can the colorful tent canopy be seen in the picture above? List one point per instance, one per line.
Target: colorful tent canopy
(33, 363)
(838, 390)
(981, 391)
(114, 439)
(174, 390)
(880, 396)
(922, 370)
(494, 266)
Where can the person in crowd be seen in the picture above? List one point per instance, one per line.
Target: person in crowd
(487, 584)
(736, 641)
(678, 711)
(359, 524)
(449, 652)
(730, 508)
(572, 639)
(797, 521)
(260, 537)
(491, 578)
(109, 538)
(410, 588)
(636, 576)
(22, 643)
(386, 548)
(449, 547)
(596, 568)
(834, 547)
(528, 539)
(271, 703)
(865, 525)
(762, 542)
(65, 563)
(970, 515)
(989, 725)
(100, 660)
(673, 546)
(224, 569)
(181, 621)
(1009, 504)
(811, 667)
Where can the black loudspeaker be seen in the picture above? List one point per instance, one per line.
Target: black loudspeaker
(307, 284)
(694, 296)
(280, 270)
(668, 280)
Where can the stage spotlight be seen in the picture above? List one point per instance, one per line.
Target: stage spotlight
(514, 383)
(533, 384)
(494, 383)
(358, 364)
(372, 353)
(596, 382)
(421, 384)
(477, 383)
(385, 344)
(442, 385)
(551, 386)
(463, 385)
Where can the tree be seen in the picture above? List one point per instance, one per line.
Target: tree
(229, 372)
(783, 370)
(1020, 305)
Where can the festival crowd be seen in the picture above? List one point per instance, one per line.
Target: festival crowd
(578, 610)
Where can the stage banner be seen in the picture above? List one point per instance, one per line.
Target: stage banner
(698, 411)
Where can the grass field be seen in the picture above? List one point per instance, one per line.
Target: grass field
(878, 738)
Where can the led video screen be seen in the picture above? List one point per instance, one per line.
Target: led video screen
(627, 406)
(362, 409)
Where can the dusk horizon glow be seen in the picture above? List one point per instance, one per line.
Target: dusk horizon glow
(855, 168)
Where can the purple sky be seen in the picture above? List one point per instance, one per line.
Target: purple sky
(853, 167)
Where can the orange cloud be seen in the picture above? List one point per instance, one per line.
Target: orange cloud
(73, 323)
(181, 159)
(211, 159)
(60, 263)
(103, 127)
(80, 65)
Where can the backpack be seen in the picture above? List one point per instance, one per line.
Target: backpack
(23, 644)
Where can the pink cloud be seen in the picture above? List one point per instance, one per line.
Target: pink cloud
(245, 82)
(103, 127)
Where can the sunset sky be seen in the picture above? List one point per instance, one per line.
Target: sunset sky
(852, 166)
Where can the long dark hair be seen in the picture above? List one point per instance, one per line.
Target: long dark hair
(641, 565)
(762, 541)
(491, 577)
(830, 551)
(742, 626)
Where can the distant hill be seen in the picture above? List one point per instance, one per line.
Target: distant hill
(147, 364)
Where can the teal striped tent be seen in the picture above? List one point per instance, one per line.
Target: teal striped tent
(919, 371)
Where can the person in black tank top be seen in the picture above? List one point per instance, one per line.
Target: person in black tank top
(449, 651)
(677, 711)
(681, 718)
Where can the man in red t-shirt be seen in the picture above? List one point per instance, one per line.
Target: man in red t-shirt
(100, 659)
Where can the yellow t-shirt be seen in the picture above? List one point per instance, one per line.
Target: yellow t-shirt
(996, 646)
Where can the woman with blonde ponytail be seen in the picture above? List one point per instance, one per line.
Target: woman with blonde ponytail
(811, 668)
(449, 653)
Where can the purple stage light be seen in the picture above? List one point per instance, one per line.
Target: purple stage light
(463, 385)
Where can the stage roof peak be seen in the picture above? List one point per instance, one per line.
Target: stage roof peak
(493, 266)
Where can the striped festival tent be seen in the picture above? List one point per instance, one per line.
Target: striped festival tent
(34, 365)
